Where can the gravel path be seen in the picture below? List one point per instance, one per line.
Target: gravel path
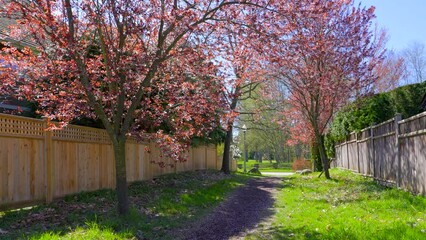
(240, 213)
(277, 174)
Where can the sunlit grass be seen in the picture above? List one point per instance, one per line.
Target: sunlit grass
(348, 207)
(91, 231)
(266, 166)
(275, 170)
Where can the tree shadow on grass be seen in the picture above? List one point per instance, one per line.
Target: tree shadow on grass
(290, 224)
(396, 232)
(158, 207)
(350, 191)
(286, 182)
(344, 190)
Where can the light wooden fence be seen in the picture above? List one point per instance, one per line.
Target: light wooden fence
(393, 151)
(38, 165)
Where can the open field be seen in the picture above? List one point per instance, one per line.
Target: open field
(348, 207)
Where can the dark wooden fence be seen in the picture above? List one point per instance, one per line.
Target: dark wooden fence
(393, 151)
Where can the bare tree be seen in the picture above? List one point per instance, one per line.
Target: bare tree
(390, 72)
(415, 58)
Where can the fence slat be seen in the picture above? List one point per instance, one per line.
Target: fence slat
(38, 165)
(394, 151)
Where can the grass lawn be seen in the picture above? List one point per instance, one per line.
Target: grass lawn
(348, 207)
(159, 209)
(266, 166)
(275, 170)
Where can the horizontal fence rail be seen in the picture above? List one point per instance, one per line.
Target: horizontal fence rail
(393, 152)
(38, 165)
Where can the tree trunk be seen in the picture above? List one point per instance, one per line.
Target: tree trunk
(323, 155)
(288, 155)
(121, 180)
(315, 156)
(226, 151)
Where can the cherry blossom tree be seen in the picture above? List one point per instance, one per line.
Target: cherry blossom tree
(240, 82)
(128, 63)
(244, 63)
(326, 57)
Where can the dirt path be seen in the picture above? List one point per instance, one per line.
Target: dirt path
(240, 213)
(277, 174)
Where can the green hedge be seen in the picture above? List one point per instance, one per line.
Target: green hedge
(373, 109)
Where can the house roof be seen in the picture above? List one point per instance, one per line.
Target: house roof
(9, 103)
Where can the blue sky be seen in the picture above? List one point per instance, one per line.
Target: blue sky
(405, 20)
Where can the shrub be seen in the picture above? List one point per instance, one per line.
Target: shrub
(274, 165)
(377, 108)
(255, 171)
(301, 164)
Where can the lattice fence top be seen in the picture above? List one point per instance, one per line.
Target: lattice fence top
(15, 126)
(81, 134)
(21, 127)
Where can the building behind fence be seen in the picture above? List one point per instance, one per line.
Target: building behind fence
(393, 151)
(38, 165)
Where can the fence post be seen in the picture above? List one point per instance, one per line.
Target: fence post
(357, 151)
(347, 153)
(398, 118)
(205, 156)
(175, 166)
(151, 146)
(372, 153)
(49, 162)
